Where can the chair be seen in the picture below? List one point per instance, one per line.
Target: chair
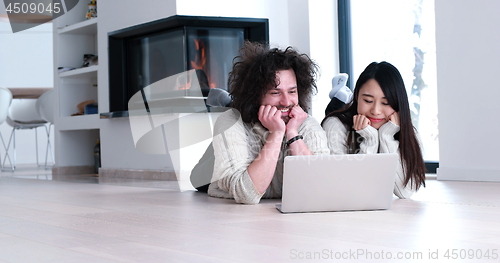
(5, 100)
(45, 108)
(22, 115)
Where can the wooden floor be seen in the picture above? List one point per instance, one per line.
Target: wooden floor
(56, 221)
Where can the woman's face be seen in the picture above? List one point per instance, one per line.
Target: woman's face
(373, 104)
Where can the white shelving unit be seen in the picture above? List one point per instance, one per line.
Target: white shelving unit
(82, 122)
(80, 73)
(87, 27)
(76, 136)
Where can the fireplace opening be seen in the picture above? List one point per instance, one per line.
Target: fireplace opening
(144, 54)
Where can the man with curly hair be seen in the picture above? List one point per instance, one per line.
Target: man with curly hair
(270, 89)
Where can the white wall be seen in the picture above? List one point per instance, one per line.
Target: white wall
(117, 146)
(26, 56)
(276, 11)
(468, 55)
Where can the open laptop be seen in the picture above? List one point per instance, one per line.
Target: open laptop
(320, 183)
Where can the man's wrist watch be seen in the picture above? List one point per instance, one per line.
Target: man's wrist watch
(292, 140)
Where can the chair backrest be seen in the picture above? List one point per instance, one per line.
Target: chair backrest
(45, 105)
(5, 100)
(24, 110)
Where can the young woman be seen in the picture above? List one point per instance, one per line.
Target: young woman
(378, 120)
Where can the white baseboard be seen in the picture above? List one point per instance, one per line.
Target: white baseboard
(465, 174)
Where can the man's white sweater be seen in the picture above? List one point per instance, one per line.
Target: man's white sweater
(238, 144)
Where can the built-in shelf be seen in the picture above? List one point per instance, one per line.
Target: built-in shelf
(79, 122)
(76, 136)
(87, 72)
(87, 27)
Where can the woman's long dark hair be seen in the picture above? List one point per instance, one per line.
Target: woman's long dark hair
(254, 73)
(391, 82)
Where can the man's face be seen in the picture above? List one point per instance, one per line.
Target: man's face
(285, 95)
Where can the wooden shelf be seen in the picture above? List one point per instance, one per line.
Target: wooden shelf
(87, 27)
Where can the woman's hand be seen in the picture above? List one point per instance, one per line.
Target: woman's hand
(270, 118)
(394, 118)
(360, 122)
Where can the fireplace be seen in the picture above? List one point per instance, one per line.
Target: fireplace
(144, 54)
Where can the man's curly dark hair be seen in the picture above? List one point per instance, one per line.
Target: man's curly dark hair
(254, 73)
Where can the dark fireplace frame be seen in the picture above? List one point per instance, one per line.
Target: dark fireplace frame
(255, 29)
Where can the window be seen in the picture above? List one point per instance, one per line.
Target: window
(401, 33)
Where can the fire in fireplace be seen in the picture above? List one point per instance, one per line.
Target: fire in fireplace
(144, 54)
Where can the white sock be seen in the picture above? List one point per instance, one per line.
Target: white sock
(339, 88)
(344, 94)
(337, 82)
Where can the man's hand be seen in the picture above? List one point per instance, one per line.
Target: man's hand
(360, 122)
(297, 117)
(261, 170)
(270, 118)
(394, 118)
